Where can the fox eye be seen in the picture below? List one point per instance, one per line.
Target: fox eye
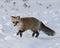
(17, 22)
(13, 22)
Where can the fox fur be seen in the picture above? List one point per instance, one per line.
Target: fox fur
(23, 24)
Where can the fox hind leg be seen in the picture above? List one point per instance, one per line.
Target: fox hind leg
(35, 32)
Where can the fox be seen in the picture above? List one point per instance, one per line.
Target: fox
(23, 24)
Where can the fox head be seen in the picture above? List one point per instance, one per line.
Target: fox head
(15, 20)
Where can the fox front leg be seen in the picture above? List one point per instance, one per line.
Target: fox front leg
(20, 33)
(33, 34)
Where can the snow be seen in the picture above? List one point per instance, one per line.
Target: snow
(48, 11)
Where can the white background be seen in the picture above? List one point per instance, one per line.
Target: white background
(48, 11)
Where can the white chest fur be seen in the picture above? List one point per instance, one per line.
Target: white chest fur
(18, 26)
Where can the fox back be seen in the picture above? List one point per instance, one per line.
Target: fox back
(27, 23)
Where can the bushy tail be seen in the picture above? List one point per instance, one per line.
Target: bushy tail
(47, 30)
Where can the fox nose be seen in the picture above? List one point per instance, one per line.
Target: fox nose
(14, 24)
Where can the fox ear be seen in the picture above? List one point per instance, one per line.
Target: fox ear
(12, 16)
(18, 16)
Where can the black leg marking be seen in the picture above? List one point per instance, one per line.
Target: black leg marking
(37, 34)
(33, 34)
(20, 32)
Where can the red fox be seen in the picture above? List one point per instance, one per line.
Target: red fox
(23, 24)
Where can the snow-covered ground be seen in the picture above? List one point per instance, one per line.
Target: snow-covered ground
(48, 11)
